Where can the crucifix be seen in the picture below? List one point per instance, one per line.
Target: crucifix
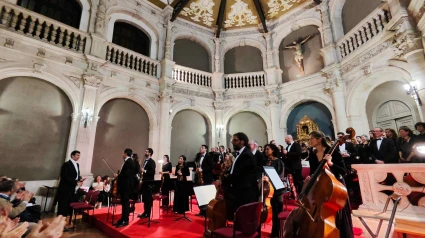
(298, 51)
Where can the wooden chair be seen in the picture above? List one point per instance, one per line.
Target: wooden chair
(381, 216)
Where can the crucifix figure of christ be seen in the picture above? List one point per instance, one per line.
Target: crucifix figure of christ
(298, 51)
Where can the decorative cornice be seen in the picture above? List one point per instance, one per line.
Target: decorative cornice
(193, 93)
(92, 80)
(246, 95)
(105, 88)
(194, 27)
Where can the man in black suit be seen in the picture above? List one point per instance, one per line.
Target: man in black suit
(148, 171)
(383, 150)
(242, 180)
(259, 158)
(348, 152)
(206, 166)
(292, 160)
(69, 179)
(125, 186)
(222, 152)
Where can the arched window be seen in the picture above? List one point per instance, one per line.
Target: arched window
(131, 37)
(65, 11)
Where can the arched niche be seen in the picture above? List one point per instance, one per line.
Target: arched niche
(122, 124)
(131, 37)
(243, 59)
(189, 131)
(389, 106)
(35, 121)
(249, 123)
(312, 59)
(354, 11)
(191, 54)
(318, 112)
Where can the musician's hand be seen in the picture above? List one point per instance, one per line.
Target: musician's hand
(143, 170)
(179, 172)
(115, 175)
(307, 179)
(27, 196)
(379, 161)
(345, 155)
(160, 172)
(200, 170)
(328, 157)
(265, 178)
(285, 152)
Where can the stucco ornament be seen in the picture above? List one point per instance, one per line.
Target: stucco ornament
(240, 15)
(402, 188)
(279, 5)
(200, 10)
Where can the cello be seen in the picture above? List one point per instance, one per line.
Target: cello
(318, 203)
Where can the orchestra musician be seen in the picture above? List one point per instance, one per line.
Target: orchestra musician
(205, 174)
(125, 186)
(317, 153)
(166, 171)
(242, 182)
(181, 203)
(148, 174)
(272, 153)
(293, 161)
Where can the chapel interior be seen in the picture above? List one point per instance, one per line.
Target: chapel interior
(99, 76)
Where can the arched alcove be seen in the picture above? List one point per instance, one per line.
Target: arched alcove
(351, 17)
(191, 54)
(131, 37)
(122, 124)
(243, 59)
(189, 131)
(249, 123)
(312, 59)
(65, 11)
(35, 121)
(318, 112)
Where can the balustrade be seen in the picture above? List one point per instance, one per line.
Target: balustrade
(192, 76)
(370, 27)
(34, 25)
(131, 60)
(245, 80)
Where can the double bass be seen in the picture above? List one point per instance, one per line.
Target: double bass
(318, 203)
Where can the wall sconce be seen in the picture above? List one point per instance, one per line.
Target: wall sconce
(86, 117)
(220, 127)
(171, 111)
(412, 90)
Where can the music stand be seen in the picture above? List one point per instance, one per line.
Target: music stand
(149, 187)
(274, 178)
(204, 195)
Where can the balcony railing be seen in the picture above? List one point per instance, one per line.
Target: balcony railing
(129, 59)
(192, 76)
(370, 27)
(37, 26)
(245, 80)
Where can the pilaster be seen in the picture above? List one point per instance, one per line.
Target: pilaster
(217, 46)
(98, 47)
(334, 86)
(219, 126)
(72, 140)
(328, 51)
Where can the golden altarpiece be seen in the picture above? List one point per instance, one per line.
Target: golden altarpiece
(305, 127)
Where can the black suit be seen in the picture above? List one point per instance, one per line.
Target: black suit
(147, 183)
(260, 161)
(126, 186)
(243, 186)
(66, 189)
(293, 162)
(207, 167)
(387, 151)
(352, 151)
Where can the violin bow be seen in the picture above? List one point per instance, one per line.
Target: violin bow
(108, 165)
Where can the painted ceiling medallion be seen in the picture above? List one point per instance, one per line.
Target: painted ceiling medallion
(200, 10)
(282, 5)
(240, 15)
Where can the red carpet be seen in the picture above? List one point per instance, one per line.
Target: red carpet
(166, 228)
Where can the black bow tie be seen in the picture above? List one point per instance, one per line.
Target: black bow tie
(379, 139)
(237, 153)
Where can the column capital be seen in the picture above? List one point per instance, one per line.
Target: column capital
(92, 80)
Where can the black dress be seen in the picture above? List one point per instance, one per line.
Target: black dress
(181, 196)
(166, 186)
(343, 218)
(277, 200)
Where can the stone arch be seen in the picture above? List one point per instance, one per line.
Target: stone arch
(86, 6)
(189, 36)
(64, 84)
(335, 11)
(197, 108)
(124, 15)
(257, 109)
(289, 106)
(291, 28)
(244, 42)
(142, 101)
(358, 95)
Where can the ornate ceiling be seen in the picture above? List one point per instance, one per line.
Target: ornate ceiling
(230, 14)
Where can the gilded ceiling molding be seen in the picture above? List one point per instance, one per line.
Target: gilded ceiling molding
(200, 10)
(240, 15)
(279, 5)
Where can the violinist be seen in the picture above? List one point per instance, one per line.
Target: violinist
(181, 203)
(317, 153)
(204, 171)
(148, 172)
(272, 153)
(166, 171)
(225, 166)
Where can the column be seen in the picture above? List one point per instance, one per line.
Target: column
(219, 126)
(86, 135)
(98, 47)
(269, 53)
(72, 140)
(329, 52)
(274, 115)
(168, 43)
(217, 42)
(164, 138)
(339, 102)
(273, 73)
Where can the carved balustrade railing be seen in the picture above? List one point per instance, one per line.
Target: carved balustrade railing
(373, 25)
(245, 80)
(34, 25)
(131, 60)
(377, 181)
(192, 76)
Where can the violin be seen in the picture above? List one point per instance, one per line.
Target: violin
(266, 212)
(318, 203)
(114, 183)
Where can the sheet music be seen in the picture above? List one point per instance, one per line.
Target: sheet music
(274, 177)
(204, 194)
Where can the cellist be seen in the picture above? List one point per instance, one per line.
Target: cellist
(317, 153)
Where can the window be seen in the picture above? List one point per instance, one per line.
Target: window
(131, 37)
(65, 11)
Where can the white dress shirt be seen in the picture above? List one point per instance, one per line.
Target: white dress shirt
(76, 167)
(124, 162)
(233, 165)
(379, 142)
(289, 146)
(202, 159)
(342, 148)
